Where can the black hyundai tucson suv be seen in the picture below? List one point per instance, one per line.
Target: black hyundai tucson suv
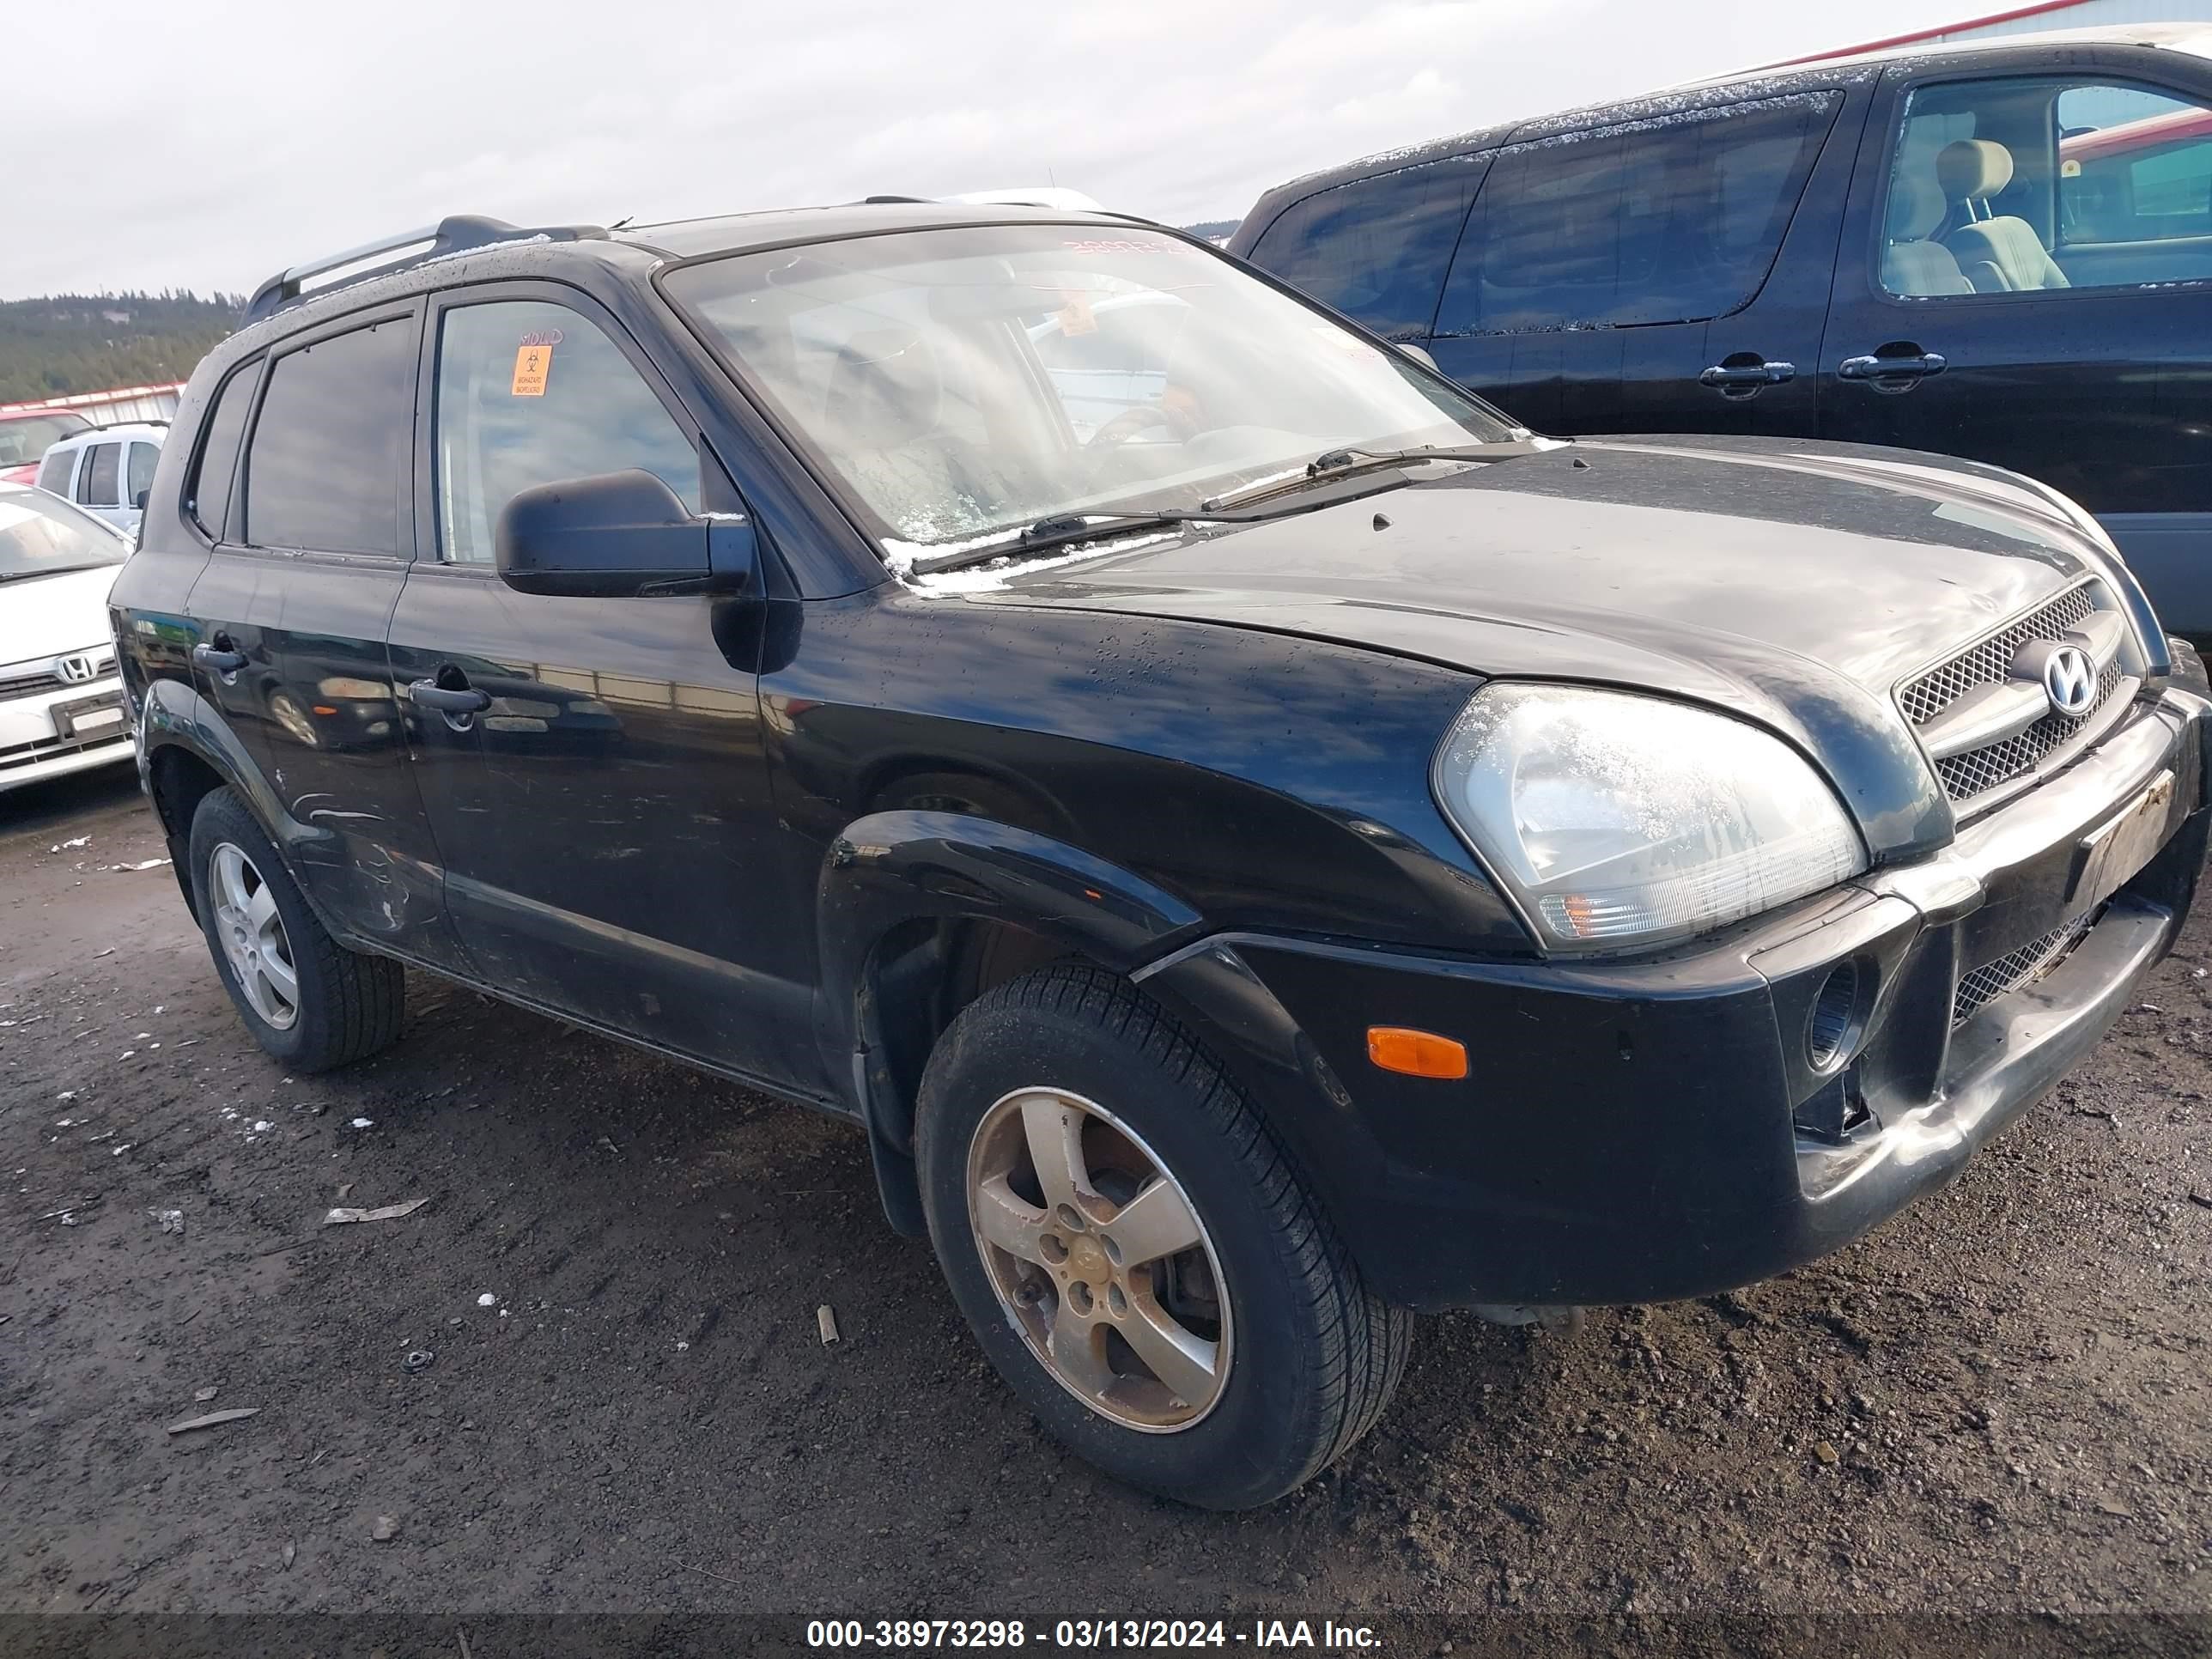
(1261, 841)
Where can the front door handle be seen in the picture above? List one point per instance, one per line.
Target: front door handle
(218, 657)
(465, 700)
(1900, 372)
(1733, 374)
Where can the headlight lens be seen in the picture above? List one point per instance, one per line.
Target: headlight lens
(1619, 820)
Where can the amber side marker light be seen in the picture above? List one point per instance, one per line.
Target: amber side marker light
(1417, 1054)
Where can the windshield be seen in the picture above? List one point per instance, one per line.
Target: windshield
(22, 442)
(964, 383)
(42, 535)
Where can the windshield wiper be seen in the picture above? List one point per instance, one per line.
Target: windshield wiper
(1056, 529)
(1332, 463)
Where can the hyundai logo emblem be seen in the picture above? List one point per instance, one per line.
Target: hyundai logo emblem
(78, 669)
(2070, 677)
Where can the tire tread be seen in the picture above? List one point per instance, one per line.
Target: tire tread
(1363, 1341)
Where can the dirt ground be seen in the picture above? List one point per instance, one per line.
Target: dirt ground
(2002, 1401)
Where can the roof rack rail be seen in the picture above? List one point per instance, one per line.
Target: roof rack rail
(110, 426)
(456, 233)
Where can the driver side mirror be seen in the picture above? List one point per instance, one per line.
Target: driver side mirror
(618, 535)
(1419, 354)
(138, 501)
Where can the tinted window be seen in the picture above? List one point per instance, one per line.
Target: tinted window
(1375, 249)
(207, 496)
(1667, 220)
(95, 485)
(54, 471)
(141, 473)
(532, 394)
(324, 466)
(2017, 184)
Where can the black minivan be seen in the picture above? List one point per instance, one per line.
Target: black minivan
(1999, 249)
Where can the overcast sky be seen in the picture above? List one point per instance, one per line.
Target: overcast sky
(205, 144)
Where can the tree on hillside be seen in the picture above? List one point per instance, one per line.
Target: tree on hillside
(69, 342)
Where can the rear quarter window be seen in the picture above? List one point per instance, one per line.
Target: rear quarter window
(207, 491)
(1375, 249)
(54, 472)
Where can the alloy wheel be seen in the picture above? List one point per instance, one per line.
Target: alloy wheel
(1099, 1259)
(252, 936)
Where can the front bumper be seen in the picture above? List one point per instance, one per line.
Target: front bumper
(50, 734)
(1646, 1130)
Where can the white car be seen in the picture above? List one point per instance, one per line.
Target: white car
(61, 704)
(106, 470)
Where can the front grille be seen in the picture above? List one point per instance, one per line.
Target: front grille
(2016, 967)
(25, 686)
(1980, 770)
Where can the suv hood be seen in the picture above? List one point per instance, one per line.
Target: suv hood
(1793, 584)
(50, 615)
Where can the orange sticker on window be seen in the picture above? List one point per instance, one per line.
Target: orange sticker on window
(532, 363)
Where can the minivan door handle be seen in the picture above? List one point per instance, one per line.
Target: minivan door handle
(1890, 372)
(465, 700)
(1739, 375)
(218, 657)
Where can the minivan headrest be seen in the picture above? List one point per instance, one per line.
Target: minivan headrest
(1915, 207)
(1972, 168)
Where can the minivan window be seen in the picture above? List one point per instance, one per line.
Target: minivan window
(323, 468)
(1377, 249)
(95, 485)
(944, 375)
(54, 472)
(1672, 220)
(207, 492)
(2043, 185)
(532, 394)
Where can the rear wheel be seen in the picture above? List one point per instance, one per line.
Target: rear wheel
(1135, 1253)
(308, 1000)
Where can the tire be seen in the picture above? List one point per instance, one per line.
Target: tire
(343, 1005)
(1311, 1357)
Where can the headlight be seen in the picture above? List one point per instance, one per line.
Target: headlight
(1618, 819)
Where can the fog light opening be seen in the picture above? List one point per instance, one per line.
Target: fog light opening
(1832, 1028)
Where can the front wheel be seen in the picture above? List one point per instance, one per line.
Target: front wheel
(1135, 1253)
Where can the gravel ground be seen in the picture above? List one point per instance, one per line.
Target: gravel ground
(2000, 1402)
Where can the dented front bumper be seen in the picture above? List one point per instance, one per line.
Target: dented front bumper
(1640, 1131)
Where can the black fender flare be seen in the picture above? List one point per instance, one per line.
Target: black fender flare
(892, 868)
(174, 716)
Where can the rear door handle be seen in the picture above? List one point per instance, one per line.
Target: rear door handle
(1902, 369)
(428, 694)
(1746, 374)
(218, 657)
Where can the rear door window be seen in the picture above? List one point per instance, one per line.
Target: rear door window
(529, 393)
(207, 493)
(1676, 219)
(96, 484)
(324, 466)
(1377, 249)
